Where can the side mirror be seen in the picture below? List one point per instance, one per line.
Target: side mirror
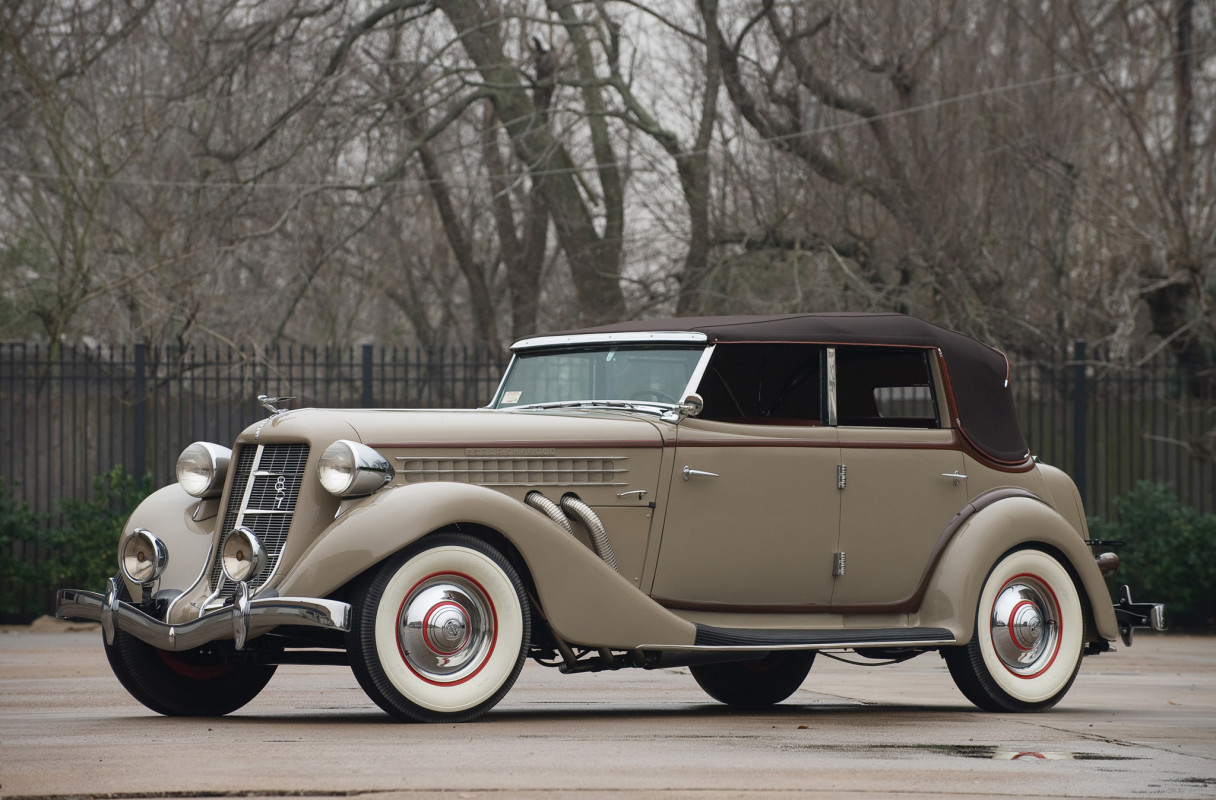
(692, 406)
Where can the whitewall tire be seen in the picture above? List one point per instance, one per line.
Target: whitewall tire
(1029, 636)
(440, 631)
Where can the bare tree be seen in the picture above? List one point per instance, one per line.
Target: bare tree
(954, 153)
(469, 171)
(1142, 62)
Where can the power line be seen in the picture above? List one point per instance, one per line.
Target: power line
(422, 185)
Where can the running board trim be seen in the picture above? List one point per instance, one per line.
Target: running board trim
(710, 637)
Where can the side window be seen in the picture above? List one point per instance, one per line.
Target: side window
(888, 387)
(764, 384)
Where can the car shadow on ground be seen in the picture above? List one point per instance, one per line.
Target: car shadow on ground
(559, 712)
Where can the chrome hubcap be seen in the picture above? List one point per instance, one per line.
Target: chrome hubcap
(445, 629)
(1025, 626)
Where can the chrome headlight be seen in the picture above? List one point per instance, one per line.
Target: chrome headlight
(242, 556)
(201, 469)
(142, 556)
(350, 469)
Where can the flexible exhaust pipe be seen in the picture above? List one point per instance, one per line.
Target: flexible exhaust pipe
(550, 509)
(576, 508)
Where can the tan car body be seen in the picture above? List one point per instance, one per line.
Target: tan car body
(730, 494)
(588, 603)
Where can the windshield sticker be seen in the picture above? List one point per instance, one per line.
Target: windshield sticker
(511, 397)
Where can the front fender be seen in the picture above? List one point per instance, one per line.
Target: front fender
(954, 590)
(584, 600)
(170, 515)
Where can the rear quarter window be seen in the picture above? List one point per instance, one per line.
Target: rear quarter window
(888, 387)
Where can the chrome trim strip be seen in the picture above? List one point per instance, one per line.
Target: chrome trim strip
(202, 576)
(757, 648)
(211, 598)
(831, 354)
(694, 380)
(583, 484)
(641, 337)
(249, 483)
(502, 382)
(260, 616)
(550, 467)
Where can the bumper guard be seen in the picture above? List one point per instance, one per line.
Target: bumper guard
(1137, 615)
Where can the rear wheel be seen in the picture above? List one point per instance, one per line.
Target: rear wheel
(440, 632)
(755, 684)
(184, 684)
(1029, 635)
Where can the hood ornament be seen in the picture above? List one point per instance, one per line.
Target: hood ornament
(271, 403)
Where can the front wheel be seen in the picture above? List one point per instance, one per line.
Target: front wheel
(185, 684)
(755, 684)
(440, 631)
(1029, 635)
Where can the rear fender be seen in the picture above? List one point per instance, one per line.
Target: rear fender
(584, 600)
(953, 593)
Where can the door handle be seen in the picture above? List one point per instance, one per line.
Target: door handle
(955, 476)
(689, 472)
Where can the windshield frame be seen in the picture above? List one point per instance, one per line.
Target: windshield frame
(560, 343)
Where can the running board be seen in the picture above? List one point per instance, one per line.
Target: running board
(713, 638)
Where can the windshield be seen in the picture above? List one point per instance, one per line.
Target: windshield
(602, 373)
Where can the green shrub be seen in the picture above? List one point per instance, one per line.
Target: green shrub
(37, 557)
(1169, 556)
(87, 541)
(18, 528)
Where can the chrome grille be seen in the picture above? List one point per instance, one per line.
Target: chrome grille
(265, 486)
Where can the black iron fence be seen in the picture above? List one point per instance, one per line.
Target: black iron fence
(70, 413)
(1111, 426)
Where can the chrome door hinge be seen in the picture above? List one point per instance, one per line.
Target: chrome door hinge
(837, 564)
(842, 476)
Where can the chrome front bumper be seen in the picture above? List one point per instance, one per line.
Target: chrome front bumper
(242, 620)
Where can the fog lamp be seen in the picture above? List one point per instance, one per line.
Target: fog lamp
(142, 556)
(243, 555)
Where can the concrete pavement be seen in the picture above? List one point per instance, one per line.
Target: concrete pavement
(1138, 723)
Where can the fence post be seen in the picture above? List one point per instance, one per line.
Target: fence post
(141, 412)
(1080, 418)
(368, 397)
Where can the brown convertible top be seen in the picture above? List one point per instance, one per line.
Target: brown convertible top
(978, 374)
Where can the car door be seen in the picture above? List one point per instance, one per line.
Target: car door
(904, 479)
(751, 519)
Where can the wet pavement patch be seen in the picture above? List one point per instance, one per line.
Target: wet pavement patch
(1003, 753)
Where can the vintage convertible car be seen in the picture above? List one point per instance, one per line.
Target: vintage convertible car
(732, 495)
